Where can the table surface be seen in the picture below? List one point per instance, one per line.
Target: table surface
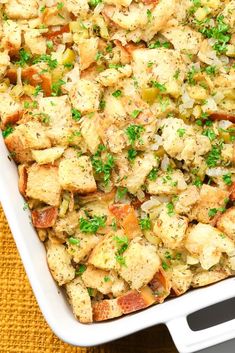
(23, 328)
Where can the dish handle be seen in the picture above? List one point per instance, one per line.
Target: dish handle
(187, 340)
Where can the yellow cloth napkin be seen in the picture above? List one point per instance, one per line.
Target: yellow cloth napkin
(23, 328)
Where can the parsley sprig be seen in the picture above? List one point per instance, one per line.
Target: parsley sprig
(91, 225)
(101, 165)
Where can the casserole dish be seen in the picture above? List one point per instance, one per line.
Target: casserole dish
(173, 312)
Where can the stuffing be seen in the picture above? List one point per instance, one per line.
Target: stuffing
(171, 228)
(141, 263)
(43, 184)
(169, 183)
(59, 262)
(85, 96)
(75, 174)
(80, 300)
(207, 244)
(120, 116)
(211, 201)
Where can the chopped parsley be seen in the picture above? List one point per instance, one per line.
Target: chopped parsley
(213, 158)
(122, 244)
(56, 88)
(145, 223)
(107, 279)
(74, 241)
(76, 114)
(37, 90)
(131, 154)
(161, 87)
(102, 105)
(170, 209)
(121, 192)
(210, 70)
(212, 212)
(165, 266)
(152, 176)
(91, 225)
(80, 270)
(52, 63)
(220, 32)
(197, 182)
(24, 57)
(181, 132)
(134, 132)
(60, 6)
(115, 66)
(190, 76)
(227, 179)
(94, 3)
(102, 166)
(149, 15)
(7, 131)
(159, 44)
(210, 134)
(117, 93)
(135, 113)
(90, 291)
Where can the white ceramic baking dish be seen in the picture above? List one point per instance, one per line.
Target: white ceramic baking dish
(58, 313)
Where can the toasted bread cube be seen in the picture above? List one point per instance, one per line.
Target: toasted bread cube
(48, 155)
(84, 247)
(59, 262)
(127, 219)
(210, 198)
(21, 9)
(35, 41)
(25, 137)
(4, 62)
(87, 49)
(103, 255)
(167, 183)
(80, 300)
(136, 300)
(183, 38)
(10, 110)
(141, 263)
(171, 229)
(45, 217)
(58, 110)
(77, 7)
(186, 200)
(85, 96)
(90, 134)
(181, 279)
(226, 223)
(104, 281)
(207, 244)
(12, 36)
(43, 184)
(23, 176)
(141, 168)
(204, 278)
(75, 174)
(106, 309)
